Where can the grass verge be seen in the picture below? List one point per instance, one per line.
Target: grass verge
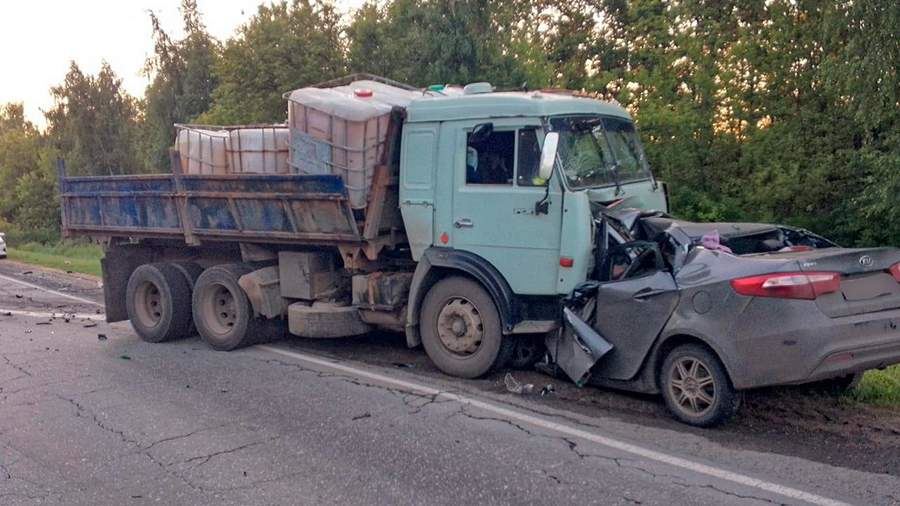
(879, 387)
(64, 255)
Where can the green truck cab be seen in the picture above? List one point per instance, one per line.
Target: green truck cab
(478, 222)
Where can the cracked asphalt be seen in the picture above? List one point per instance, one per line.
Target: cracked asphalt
(86, 419)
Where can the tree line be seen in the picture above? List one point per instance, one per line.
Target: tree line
(783, 110)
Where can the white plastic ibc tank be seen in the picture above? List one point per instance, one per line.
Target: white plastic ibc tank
(259, 150)
(202, 151)
(342, 131)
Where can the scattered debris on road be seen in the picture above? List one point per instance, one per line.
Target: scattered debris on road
(514, 386)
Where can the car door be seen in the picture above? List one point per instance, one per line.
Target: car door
(493, 210)
(633, 306)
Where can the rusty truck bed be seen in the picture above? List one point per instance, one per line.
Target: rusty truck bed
(244, 208)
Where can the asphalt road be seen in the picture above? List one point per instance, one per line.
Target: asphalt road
(89, 414)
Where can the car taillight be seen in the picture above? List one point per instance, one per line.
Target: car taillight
(895, 271)
(789, 285)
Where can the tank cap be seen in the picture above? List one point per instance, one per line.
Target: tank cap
(362, 92)
(476, 88)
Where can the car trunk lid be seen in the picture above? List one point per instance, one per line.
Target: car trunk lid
(866, 283)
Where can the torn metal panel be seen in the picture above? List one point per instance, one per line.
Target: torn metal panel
(577, 347)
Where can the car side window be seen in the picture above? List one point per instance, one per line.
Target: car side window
(492, 160)
(631, 260)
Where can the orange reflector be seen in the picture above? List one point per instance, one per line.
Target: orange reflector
(566, 261)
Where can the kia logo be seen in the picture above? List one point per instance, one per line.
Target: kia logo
(865, 261)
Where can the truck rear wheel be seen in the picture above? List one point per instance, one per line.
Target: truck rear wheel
(461, 329)
(223, 315)
(158, 301)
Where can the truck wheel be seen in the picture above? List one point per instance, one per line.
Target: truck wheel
(696, 387)
(222, 313)
(461, 330)
(191, 273)
(158, 303)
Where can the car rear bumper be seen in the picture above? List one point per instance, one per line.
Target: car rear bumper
(840, 363)
(806, 346)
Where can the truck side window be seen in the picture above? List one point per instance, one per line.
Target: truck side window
(529, 159)
(492, 160)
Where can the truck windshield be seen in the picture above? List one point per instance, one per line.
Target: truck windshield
(599, 151)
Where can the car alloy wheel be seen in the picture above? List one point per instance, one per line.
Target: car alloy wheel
(692, 385)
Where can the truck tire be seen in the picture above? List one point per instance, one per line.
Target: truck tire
(461, 330)
(191, 273)
(696, 386)
(223, 315)
(157, 299)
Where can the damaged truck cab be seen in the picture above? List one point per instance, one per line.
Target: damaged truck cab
(474, 198)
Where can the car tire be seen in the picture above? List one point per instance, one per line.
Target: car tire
(223, 314)
(527, 351)
(461, 329)
(157, 300)
(696, 386)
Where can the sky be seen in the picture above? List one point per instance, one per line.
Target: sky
(38, 39)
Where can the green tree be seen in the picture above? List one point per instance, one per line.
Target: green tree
(181, 82)
(426, 42)
(94, 123)
(20, 149)
(283, 47)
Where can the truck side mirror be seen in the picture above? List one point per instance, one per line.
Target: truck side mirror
(548, 155)
(480, 133)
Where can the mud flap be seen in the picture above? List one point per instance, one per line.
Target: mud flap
(577, 346)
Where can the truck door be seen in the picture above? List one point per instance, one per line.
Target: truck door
(493, 210)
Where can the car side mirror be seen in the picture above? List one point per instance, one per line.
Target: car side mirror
(481, 133)
(548, 155)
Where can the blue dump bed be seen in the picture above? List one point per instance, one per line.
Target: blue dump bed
(196, 208)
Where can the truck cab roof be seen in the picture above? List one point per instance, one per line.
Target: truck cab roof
(506, 104)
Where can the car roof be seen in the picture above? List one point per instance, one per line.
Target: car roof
(506, 104)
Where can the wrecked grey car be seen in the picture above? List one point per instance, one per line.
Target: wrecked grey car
(700, 311)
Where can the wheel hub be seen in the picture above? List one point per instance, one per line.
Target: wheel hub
(692, 386)
(460, 328)
(220, 309)
(148, 304)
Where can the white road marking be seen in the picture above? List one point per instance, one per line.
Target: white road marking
(568, 430)
(59, 315)
(54, 292)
